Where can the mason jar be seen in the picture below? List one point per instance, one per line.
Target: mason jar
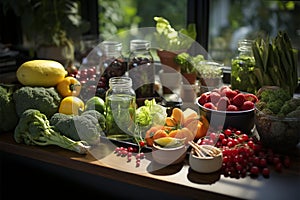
(113, 63)
(242, 68)
(120, 103)
(141, 68)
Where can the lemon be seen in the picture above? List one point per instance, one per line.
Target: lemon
(71, 105)
(169, 141)
(95, 103)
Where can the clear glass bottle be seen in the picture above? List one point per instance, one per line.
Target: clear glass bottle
(141, 68)
(112, 64)
(242, 68)
(120, 103)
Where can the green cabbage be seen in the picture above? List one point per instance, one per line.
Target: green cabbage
(151, 114)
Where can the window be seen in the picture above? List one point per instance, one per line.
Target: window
(231, 20)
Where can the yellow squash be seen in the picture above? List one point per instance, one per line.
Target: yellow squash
(45, 73)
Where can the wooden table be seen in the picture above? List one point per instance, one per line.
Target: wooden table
(175, 181)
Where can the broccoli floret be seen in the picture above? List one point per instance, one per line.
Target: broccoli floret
(34, 128)
(274, 101)
(273, 95)
(46, 100)
(275, 106)
(288, 107)
(97, 115)
(8, 114)
(78, 127)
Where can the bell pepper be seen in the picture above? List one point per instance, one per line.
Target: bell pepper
(71, 105)
(69, 86)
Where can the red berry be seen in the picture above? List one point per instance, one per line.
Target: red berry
(247, 105)
(232, 108)
(254, 170)
(238, 100)
(203, 99)
(250, 97)
(142, 143)
(223, 103)
(214, 97)
(266, 172)
(227, 132)
(210, 105)
(278, 167)
(231, 93)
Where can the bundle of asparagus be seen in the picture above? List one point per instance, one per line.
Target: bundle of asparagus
(276, 62)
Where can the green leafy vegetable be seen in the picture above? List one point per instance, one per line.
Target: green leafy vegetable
(276, 62)
(170, 39)
(151, 114)
(34, 128)
(8, 114)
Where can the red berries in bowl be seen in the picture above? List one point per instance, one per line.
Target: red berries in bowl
(225, 107)
(226, 99)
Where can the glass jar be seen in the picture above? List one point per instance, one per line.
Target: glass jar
(242, 68)
(141, 68)
(211, 74)
(112, 64)
(120, 108)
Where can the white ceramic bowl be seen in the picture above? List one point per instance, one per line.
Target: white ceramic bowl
(168, 156)
(205, 164)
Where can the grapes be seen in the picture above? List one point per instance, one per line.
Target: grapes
(128, 153)
(244, 155)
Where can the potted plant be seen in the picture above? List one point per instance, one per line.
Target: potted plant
(172, 42)
(210, 75)
(51, 27)
(188, 65)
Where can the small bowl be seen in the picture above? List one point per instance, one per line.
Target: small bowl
(207, 164)
(278, 133)
(241, 120)
(169, 156)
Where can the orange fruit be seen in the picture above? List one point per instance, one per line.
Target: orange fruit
(177, 115)
(182, 133)
(170, 121)
(150, 133)
(192, 125)
(201, 130)
(159, 134)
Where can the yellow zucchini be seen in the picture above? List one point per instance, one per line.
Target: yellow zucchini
(45, 73)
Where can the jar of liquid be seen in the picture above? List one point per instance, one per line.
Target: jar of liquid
(242, 68)
(112, 64)
(120, 103)
(141, 68)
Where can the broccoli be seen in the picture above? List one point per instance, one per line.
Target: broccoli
(8, 114)
(273, 95)
(277, 101)
(289, 106)
(97, 115)
(79, 127)
(34, 128)
(44, 99)
(275, 106)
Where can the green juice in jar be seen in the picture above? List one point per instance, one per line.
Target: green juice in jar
(242, 69)
(120, 116)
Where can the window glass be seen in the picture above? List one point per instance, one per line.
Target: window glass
(120, 15)
(231, 20)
